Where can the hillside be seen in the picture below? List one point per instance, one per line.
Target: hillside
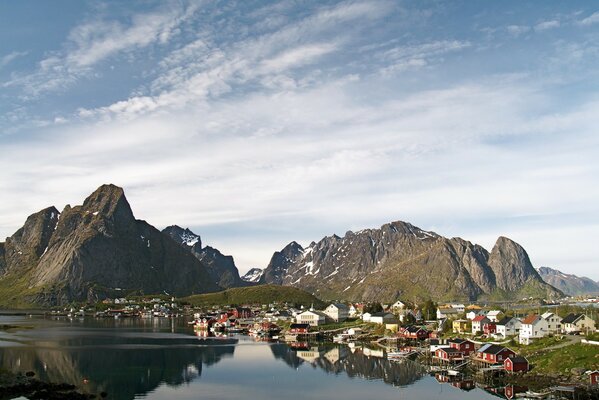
(262, 294)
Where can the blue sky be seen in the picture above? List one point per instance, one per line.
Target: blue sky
(258, 123)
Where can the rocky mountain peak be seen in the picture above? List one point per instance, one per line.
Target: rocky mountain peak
(183, 236)
(510, 264)
(253, 275)
(37, 230)
(110, 201)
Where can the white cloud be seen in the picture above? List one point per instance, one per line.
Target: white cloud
(517, 30)
(590, 20)
(405, 57)
(7, 59)
(546, 25)
(97, 40)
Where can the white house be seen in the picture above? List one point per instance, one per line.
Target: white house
(366, 317)
(314, 318)
(508, 326)
(473, 314)
(533, 327)
(353, 312)
(554, 322)
(577, 323)
(382, 318)
(478, 323)
(338, 312)
(493, 315)
(398, 307)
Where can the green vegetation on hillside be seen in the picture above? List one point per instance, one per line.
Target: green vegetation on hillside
(262, 294)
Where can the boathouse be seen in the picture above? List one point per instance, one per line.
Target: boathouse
(593, 377)
(516, 364)
(449, 354)
(299, 328)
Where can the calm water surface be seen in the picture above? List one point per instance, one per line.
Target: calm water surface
(163, 359)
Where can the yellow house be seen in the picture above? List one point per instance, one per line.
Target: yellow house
(461, 326)
(392, 327)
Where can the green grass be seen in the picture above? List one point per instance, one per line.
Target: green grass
(15, 292)
(564, 359)
(262, 294)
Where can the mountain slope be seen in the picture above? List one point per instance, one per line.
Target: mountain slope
(222, 268)
(570, 284)
(91, 251)
(401, 260)
(262, 294)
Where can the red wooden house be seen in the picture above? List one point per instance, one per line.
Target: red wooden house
(493, 354)
(489, 328)
(241, 312)
(449, 354)
(463, 345)
(593, 377)
(413, 332)
(516, 364)
(299, 328)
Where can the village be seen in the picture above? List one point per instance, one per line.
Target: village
(453, 340)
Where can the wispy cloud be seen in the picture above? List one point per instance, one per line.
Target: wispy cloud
(590, 20)
(414, 56)
(546, 25)
(517, 30)
(7, 59)
(97, 40)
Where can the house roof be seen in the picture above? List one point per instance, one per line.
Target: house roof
(340, 306)
(458, 341)
(299, 326)
(531, 319)
(517, 359)
(480, 318)
(571, 318)
(448, 310)
(494, 312)
(546, 315)
(382, 314)
(504, 321)
(491, 349)
(450, 350)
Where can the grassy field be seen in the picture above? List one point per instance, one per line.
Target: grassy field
(564, 359)
(263, 294)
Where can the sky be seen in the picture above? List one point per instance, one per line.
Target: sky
(257, 123)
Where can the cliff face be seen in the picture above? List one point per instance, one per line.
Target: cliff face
(95, 250)
(401, 260)
(222, 268)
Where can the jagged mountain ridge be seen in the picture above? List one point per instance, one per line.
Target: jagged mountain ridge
(253, 275)
(568, 283)
(402, 260)
(91, 251)
(222, 268)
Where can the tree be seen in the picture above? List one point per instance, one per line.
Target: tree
(429, 310)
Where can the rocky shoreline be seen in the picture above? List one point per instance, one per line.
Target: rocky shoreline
(26, 385)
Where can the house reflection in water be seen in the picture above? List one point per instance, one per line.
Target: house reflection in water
(356, 361)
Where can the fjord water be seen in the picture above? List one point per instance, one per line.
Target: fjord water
(163, 359)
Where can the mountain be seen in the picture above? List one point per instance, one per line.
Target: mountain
(222, 268)
(402, 260)
(93, 251)
(569, 284)
(253, 275)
